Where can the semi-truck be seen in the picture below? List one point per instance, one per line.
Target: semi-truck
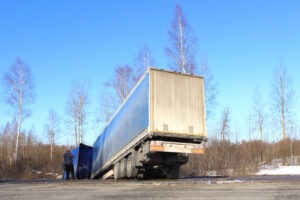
(151, 134)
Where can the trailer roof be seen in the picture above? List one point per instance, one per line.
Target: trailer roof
(174, 72)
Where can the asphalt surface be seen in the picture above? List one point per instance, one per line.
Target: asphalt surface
(228, 188)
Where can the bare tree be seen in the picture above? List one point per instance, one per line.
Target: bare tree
(76, 109)
(283, 100)
(225, 123)
(52, 128)
(142, 63)
(7, 144)
(249, 124)
(182, 44)
(123, 82)
(125, 78)
(182, 52)
(210, 87)
(258, 108)
(107, 107)
(20, 93)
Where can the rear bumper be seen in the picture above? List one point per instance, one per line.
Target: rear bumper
(176, 147)
(178, 137)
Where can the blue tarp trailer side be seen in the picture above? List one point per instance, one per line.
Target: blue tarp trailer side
(130, 120)
(82, 161)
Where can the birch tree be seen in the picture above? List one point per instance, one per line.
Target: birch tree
(142, 63)
(182, 44)
(52, 128)
(20, 94)
(258, 108)
(107, 107)
(7, 144)
(225, 123)
(211, 88)
(124, 79)
(77, 109)
(182, 52)
(283, 93)
(122, 82)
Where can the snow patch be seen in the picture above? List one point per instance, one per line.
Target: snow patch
(36, 171)
(283, 170)
(59, 177)
(229, 181)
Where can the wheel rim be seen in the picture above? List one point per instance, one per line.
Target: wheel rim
(117, 171)
(129, 167)
(131, 171)
(123, 167)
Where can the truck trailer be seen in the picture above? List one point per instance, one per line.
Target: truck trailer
(160, 123)
(82, 161)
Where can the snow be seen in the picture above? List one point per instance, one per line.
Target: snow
(229, 181)
(283, 170)
(59, 177)
(36, 171)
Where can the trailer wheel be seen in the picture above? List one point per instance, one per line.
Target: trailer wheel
(117, 171)
(123, 167)
(131, 171)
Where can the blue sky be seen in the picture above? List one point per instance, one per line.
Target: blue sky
(66, 41)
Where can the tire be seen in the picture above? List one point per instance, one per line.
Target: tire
(117, 171)
(131, 171)
(123, 164)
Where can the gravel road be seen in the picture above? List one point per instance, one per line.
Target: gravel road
(201, 188)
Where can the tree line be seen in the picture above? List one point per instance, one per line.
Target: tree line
(35, 158)
(20, 149)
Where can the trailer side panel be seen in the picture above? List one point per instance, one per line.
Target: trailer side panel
(131, 119)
